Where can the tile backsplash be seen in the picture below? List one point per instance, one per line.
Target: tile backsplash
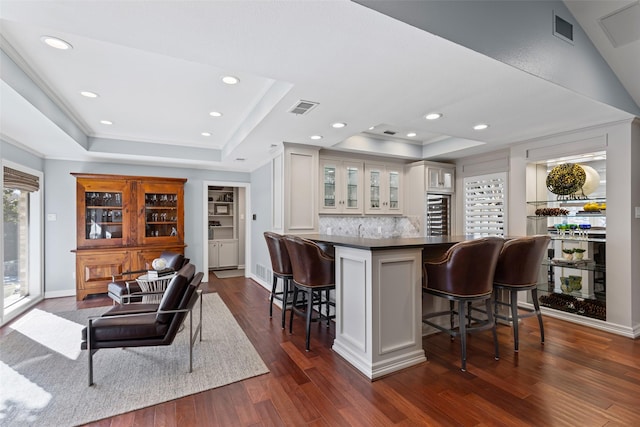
(375, 227)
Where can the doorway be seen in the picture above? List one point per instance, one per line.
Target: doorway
(226, 240)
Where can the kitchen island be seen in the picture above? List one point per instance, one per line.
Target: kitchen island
(379, 299)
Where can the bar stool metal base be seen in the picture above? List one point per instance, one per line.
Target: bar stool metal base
(313, 297)
(518, 312)
(466, 323)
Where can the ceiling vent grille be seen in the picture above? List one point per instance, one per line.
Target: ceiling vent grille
(389, 132)
(303, 107)
(622, 26)
(562, 29)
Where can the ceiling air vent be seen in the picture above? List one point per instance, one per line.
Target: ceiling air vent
(562, 29)
(389, 132)
(303, 107)
(622, 26)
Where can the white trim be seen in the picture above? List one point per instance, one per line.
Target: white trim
(36, 240)
(602, 325)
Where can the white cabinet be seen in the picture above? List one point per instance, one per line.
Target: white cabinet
(440, 179)
(383, 188)
(223, 253)
(340, 186)
(297, 177)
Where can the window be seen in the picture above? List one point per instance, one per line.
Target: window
(21, 243)
(485, 200)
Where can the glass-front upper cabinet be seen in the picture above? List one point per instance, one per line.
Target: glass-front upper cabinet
(394, 190)
(383, 188)
(161, 217)
(101, 205)
(340, 186)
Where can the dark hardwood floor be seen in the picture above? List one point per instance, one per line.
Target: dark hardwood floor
(579, 377)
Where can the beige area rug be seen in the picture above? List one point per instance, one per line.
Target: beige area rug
(43, 373)
(225, 274)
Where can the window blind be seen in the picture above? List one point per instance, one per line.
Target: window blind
(20, 180)
(485, 200)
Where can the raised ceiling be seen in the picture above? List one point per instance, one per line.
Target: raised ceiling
(157, 69)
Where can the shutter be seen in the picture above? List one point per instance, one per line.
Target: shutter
(485, 200)
(20, 180)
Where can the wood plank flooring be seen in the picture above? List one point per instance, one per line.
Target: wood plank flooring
(579, 377)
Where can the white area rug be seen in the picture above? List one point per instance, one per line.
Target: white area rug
(45, 384)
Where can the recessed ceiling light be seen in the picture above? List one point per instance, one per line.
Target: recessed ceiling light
(215, 114)
(411, 134)
(230, 80)
(106, 122)
(433, 116)
(372, 128)
(316, 137)
(338, 125)
(481, 126)
(89, 94)
(205, 134)
(56, 43)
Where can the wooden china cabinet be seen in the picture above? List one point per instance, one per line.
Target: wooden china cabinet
(124, 223)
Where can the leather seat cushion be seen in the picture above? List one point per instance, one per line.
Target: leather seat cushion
(131, 309)
(142, 327)
(119, 288)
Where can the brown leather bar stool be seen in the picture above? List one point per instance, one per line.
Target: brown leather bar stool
(464, 274)
(281, 267)
(313, 274)
(518, 269)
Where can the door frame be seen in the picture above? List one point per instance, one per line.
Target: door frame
(205, 222)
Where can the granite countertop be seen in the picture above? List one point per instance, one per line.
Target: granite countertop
(386, 243)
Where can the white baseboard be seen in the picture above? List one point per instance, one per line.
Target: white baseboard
(60, 294)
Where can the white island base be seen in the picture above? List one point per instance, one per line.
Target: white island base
(379, 309)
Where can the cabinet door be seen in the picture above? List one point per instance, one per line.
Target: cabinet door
(374, 188)
(352, 179)
(103, 217)
(440, 179)
(213, 255)
(228, 253)
(394, 189)
(329, 181)
(160, 213)
(94, 270)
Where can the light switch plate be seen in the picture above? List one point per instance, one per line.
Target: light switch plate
(637, 211)
(52, 217)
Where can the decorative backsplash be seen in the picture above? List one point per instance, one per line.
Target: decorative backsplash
(376, 227)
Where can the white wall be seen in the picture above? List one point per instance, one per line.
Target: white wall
(261, 207)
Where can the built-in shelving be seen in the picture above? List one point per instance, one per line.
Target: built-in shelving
(576, 286)
(223, 239)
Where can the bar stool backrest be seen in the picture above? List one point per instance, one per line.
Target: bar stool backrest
(280, 261)
(466, 269)
(311, 265)
(520, 260)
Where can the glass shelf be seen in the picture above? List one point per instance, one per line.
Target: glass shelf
(588, 265)
(571, 203)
